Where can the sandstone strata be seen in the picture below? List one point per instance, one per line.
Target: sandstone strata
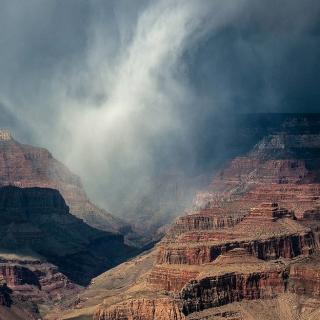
(143, 309)
(36, 280)
(268, 232)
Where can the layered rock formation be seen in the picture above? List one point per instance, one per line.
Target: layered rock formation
(268, 232)
(27, 166)
(280, 168)
(31, 284)
(144, 309)
(35, 279)
(165, 195)
(253, 234)
(305, 277)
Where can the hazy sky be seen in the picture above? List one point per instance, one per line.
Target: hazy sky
(118, 89)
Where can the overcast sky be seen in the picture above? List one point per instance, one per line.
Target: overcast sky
(118, 89)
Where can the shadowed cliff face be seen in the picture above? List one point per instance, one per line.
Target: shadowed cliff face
(28, 166)
(5, 299)
(37, 221)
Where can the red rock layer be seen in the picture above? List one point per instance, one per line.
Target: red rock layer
(17, 275)
(305, 277)
(268, 232)
(170, 279)
(297, 198)
(205, 219)
(273, 248)
(245, 174)
(279, 169)
(143, 309)
(35, 280)
(215, 291)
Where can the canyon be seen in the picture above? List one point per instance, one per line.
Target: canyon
(251, 235)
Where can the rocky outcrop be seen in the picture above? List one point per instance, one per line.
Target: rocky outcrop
(276, 168)
(215, 291)
(268, 232)
(17, 275)
(208, 266)
(305, 277)
(35, 280)
(16, 307)
(205, 219)
(273, 248)
(5, 292)
(143, 309)
(173, 279)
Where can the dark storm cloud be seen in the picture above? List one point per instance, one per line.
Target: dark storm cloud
(122, 90)
(266, 60)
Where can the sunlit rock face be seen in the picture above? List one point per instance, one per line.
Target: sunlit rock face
(143, 309)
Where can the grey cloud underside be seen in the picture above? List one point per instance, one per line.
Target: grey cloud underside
(123, 91)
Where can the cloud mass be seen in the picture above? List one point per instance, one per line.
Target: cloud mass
(122, 91)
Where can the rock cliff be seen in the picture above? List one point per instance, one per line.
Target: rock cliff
(143, 309)
(28, 166)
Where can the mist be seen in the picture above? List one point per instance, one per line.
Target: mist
(125, 92)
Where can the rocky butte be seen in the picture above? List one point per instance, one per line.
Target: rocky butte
(247, 250)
